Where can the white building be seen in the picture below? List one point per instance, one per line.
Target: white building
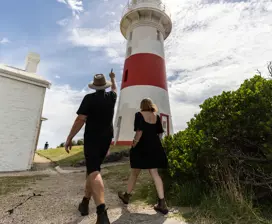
(22, 95)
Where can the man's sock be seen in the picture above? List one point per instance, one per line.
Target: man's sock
(100, 208)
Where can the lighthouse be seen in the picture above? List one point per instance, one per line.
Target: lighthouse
(145, 24)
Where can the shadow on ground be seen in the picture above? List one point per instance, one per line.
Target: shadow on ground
(130, 218)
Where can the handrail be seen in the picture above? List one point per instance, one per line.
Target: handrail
(145, 3)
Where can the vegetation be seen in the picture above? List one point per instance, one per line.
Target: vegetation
(222, 160)
(62, 158)
(13, 184)
(74, 143)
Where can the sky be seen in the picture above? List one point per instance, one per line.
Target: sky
(213, 47)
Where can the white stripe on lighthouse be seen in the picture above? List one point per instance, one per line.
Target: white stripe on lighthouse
(145, 39)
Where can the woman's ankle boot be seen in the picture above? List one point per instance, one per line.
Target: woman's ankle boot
(124, 197)
(161, 206)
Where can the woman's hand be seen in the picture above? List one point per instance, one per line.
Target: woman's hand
(134, 143)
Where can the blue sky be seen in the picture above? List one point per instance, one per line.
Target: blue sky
(214, 46)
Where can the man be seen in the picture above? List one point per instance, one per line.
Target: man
(46, 145)
(96, 110)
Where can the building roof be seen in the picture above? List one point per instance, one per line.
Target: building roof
(22, 75)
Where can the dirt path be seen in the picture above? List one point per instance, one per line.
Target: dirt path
(41, 163)
(41, 159)
(56, 199)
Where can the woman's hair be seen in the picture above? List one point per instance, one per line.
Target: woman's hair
(148, 105)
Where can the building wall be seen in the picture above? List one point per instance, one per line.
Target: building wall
(20, 113)
(129, 104)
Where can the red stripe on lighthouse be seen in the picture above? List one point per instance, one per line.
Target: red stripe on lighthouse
(144, 69)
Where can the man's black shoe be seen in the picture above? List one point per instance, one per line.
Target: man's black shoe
(83, 207)
(102, 218)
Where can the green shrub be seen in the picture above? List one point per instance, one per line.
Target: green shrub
(233, 132)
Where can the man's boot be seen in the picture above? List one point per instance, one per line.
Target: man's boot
(102, 215)
(84, 206)
(161, 206)
(124, 197)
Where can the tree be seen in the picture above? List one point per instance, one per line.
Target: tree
(80, 142)
(74, 143)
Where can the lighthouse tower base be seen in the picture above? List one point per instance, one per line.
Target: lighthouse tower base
(129, 104)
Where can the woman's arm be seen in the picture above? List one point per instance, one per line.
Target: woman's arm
(137, 138)
(160, 136)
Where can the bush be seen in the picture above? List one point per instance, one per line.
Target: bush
(231, 134)
(80, 142)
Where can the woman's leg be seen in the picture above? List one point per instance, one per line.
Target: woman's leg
(161, 206)
(131, 183)
(158, 182)
(132, 179)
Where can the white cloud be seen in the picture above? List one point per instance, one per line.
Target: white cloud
(63, 22)
(214, 46)
(60, 106)
(4, 40)
(75, 5)
(106, 38)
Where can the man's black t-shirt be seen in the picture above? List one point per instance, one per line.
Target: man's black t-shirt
(99, 109)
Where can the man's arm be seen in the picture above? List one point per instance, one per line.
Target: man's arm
(113, 86)
(78, 124)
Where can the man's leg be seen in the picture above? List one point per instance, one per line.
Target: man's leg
(96, 181)
(88, 188)
(97, 187)
(84, 205)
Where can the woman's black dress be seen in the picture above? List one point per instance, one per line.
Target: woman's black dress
(148, 153)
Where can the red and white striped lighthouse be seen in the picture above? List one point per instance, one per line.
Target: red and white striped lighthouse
(145, 24)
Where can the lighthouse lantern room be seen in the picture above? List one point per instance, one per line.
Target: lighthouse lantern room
(145, 24)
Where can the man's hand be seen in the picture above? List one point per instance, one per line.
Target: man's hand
(113, 84)
(112, 75)
(68, 145)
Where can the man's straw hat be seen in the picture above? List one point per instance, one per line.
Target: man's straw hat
(99, 82)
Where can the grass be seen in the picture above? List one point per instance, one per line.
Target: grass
(222, 209)
(14, 184)
(144, 190)
(227, 204)
(60, 157)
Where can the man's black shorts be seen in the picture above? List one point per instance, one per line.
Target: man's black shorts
(95, 151)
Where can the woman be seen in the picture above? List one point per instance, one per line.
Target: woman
(147, 152)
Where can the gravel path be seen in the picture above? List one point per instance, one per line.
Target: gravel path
(54, 200)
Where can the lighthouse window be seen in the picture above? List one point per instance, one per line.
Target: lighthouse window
(130, 35)
(126, 76)
(158, 35)
(129, 50)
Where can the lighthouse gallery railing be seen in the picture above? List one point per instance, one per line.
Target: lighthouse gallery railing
(145, 3)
